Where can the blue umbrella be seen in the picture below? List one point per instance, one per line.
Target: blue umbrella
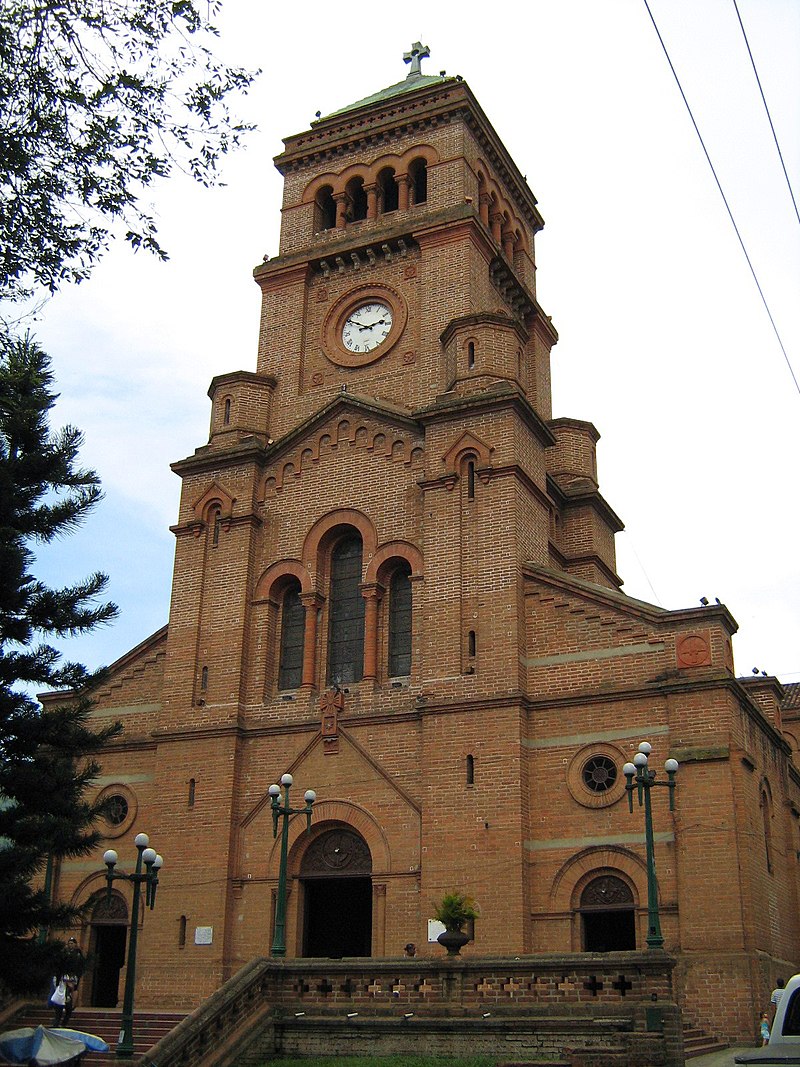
(42, 1047)
(91, 1042)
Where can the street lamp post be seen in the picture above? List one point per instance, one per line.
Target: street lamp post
(149, 878)
(285, 810)
(640, 777)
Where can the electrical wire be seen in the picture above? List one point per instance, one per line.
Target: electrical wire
(724, 198)
(766, 108)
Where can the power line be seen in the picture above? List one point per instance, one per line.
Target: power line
(724, 198)
(769, 117)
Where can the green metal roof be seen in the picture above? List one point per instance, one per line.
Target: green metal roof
(408, 85)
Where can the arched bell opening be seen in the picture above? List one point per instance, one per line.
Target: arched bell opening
(336, 899)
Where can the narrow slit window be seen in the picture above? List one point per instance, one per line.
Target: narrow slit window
(216, 527)
(471, 480)
(226, 418)
(471, 356)
(472, 645)
(191, 792)
(470, 770)
(182, 932)
(204, 679)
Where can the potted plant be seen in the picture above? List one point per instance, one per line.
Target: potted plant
(454, 911)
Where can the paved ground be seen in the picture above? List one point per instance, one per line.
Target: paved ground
(716, 1059)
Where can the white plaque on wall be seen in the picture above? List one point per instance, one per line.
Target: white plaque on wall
(203, 935)
(434, 929)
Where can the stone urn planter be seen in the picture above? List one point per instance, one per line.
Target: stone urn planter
(454, 910)
(453, 941)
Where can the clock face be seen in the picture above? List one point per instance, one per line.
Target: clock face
(367, 327)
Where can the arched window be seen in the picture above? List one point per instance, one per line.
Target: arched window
(293, 617)
(418, 173)
(387, 190)
(346, 626)
(607, 911)
(767, 823)
(216, 526)
(400, 622)
(325, 209)
(471, 356)
(358, 199)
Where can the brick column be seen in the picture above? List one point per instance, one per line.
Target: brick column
(403, 183)
(312, 602)
(483, 207)
(372, 594)
(496, 223)
(378, 918)
(372, 201)
(340, 199)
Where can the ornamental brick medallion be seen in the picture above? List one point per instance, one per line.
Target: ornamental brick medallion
(337, 852)
(331, 705)
(693, 651)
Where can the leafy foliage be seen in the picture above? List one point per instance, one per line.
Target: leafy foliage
(46, 754)
(455, 910)
(96, 101)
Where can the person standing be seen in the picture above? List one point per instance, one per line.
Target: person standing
(61, 998)
(775, 999)
(764, 1029)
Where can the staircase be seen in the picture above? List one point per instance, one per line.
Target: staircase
(698, 1043)
(148, 1028)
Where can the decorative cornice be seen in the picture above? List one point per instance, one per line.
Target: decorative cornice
(486, 318)
(584, 493)
(447, 407)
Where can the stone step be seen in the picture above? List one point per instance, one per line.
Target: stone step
(148, 1027)
(697, 1042)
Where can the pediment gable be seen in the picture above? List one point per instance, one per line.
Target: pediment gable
(349, 422)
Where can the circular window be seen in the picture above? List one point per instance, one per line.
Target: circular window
(119, 809)
(599, 774)
(594, 776)
(116, 809)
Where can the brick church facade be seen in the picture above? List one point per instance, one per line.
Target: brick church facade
(395, 579)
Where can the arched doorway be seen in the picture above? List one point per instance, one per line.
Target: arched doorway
(337, 893)
(108, 937)
(608, 915)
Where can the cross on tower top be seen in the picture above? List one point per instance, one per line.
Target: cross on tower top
(415, 56)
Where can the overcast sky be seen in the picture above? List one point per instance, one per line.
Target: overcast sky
(664, 345)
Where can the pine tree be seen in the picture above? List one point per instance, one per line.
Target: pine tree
(46, 755)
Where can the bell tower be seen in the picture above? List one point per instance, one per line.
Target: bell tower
(367, 503)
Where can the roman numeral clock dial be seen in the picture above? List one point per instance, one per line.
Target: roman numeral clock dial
(367, 327)
(363, 325)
